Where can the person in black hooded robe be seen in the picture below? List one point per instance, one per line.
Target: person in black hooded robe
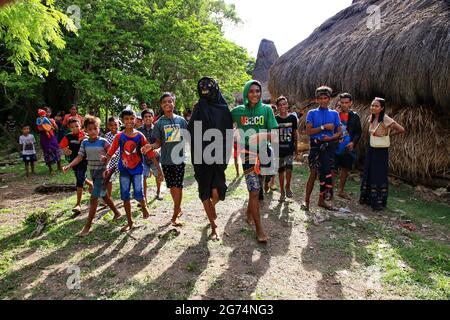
(213, 113)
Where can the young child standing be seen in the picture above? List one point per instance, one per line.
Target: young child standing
(27, 141)
(130, 142)
(168, 136)
(288, 137)
(149, 169)
(113, 127)
(70, 145)
(94, 149)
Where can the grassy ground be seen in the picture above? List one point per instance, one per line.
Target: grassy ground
(361, 255)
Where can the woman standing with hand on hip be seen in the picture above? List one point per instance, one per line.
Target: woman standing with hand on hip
(375, 184)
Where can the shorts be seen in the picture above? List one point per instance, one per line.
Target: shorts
(286, 163)
(99, 190)
(253, 182)
(29, 158)
(126, 180)
(148, 168)
(174, 175)
(345, 161)
(114, 175)
(315, 152)
(80, 175)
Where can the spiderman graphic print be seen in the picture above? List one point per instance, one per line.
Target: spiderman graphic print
(131, 159)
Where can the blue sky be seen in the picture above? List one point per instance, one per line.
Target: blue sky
(286, 22)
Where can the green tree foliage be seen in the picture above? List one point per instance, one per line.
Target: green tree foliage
(123, 52)
(128, 51)
(27, 31)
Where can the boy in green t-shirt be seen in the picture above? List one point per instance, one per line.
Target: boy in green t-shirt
(255, 121)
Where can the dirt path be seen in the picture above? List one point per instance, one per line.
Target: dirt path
(309, 256)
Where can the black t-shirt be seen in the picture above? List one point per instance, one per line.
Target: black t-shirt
(287, 128)
(73, 141)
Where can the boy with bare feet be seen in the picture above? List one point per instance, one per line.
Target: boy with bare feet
(93, 149)
(255, 121)
(70, 145)
(168, 136)
(324, 127)
(131, 144)
(288, 131)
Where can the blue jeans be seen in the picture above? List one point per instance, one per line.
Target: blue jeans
(99, 190)
(126, 180)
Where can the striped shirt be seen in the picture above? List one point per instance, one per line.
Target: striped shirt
(93, 151)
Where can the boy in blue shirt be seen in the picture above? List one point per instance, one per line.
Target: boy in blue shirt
(324, 128)
(131, 144)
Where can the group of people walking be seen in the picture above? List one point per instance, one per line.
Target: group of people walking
(135, 152)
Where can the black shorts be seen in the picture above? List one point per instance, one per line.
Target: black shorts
(314, 155)
(174, 175)
(29, 158)
(80, 175)
(345, 161)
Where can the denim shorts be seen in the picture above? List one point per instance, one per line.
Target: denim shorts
(99, 190)
(148, 168)
(126, 180)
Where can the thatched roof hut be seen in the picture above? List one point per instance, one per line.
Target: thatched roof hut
(405, 59)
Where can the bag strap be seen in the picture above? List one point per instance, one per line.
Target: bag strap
(377, 127)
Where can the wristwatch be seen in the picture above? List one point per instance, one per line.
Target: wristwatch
(322, 128)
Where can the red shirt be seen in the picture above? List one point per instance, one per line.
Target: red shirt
(65, 141)
(343, 117)
(67, 117)
(115, 145)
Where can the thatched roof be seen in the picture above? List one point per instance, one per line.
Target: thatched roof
(407, 60)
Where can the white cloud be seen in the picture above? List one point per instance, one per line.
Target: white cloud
(286, 22)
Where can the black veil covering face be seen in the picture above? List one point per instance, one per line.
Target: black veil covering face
(213, 113)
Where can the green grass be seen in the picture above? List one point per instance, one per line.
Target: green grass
(411, 265)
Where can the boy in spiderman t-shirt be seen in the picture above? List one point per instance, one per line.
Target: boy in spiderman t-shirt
(131, 144)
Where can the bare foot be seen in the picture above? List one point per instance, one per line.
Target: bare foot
(214, 236)
(117, 217)
(344, 195)
(305, 206)
(177, 223)
(263, 238)
(127, 228)
(85, 232)
(77, 210)
(145, 214)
